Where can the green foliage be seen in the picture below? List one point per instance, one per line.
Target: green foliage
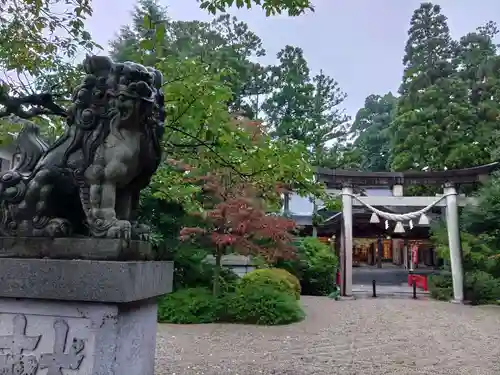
(480, 247)
(316, 266)
(263, 305)
(225, 44)
(272, 7)
(446, 115)
(441, 286)
(34, 35)
(38, 39)
(269, 277)
(192, 271)
(189, 306)
(292, 279)
(477, 253)
(371, 126)
(208, 68)
(251, 302)
(303, 107)
(481, 288)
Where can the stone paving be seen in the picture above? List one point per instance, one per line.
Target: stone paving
(362, 337)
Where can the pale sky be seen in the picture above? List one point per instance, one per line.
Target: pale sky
(360, 43)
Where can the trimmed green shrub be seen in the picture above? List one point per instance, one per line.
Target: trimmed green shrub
(292, 279)
(481, 288)
(189, 306)
(262, 305)
(269, 277)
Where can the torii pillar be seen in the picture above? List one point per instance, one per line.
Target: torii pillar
(347, 237)
(454, 242)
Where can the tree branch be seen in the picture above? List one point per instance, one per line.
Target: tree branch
(43, 104)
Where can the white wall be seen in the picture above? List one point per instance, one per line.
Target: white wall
(303, 206)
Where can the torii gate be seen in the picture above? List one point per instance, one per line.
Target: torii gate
(449, 180)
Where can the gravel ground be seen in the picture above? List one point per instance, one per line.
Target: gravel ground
(362, 337)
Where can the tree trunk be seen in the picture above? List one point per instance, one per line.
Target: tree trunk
(216, 281)
(314, 226)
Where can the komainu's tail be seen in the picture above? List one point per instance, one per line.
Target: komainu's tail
(29, 146)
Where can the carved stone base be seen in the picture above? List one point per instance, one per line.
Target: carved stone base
(61, 324)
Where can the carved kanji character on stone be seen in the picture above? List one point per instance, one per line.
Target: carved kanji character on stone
(18, 341)
(25, 365)
(59, 360)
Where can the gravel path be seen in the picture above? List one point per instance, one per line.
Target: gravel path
(362, 337)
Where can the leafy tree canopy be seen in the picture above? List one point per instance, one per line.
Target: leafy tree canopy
(305, 108)
(272, 7)
(371, 127)
(209, 89)
(448, 110)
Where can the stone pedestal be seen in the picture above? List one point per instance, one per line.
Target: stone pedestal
(82, 317)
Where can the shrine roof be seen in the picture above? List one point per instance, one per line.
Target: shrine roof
(335, 178)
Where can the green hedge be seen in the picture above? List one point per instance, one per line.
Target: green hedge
(258, 299)
(480, 287)
(189, 306)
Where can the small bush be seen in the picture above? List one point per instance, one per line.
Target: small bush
(441, 286)
(292, 279)
(268, 277)
(481, 288)
(189, 306)
(263, 305)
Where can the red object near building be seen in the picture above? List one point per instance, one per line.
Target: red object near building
(337, 278)
(414, 254)
(420, 280)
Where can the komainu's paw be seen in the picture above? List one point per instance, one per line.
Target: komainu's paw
(55, 227)
(120, 229)
(140, 231)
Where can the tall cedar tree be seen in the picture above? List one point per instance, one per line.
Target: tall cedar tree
(432, 102)
(302, 107)
(447, 114)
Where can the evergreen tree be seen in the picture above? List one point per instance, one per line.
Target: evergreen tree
(371, 128)
(223, 44)
(429, 130)
(302, 108)
(479, 66)
(428, 50)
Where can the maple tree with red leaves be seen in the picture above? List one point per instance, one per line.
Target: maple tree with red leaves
(238, 222)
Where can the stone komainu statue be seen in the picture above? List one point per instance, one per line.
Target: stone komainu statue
(88, 182)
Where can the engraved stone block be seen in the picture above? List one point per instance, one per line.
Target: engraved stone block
(65, 317)
(59, 338)
(25, 354)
